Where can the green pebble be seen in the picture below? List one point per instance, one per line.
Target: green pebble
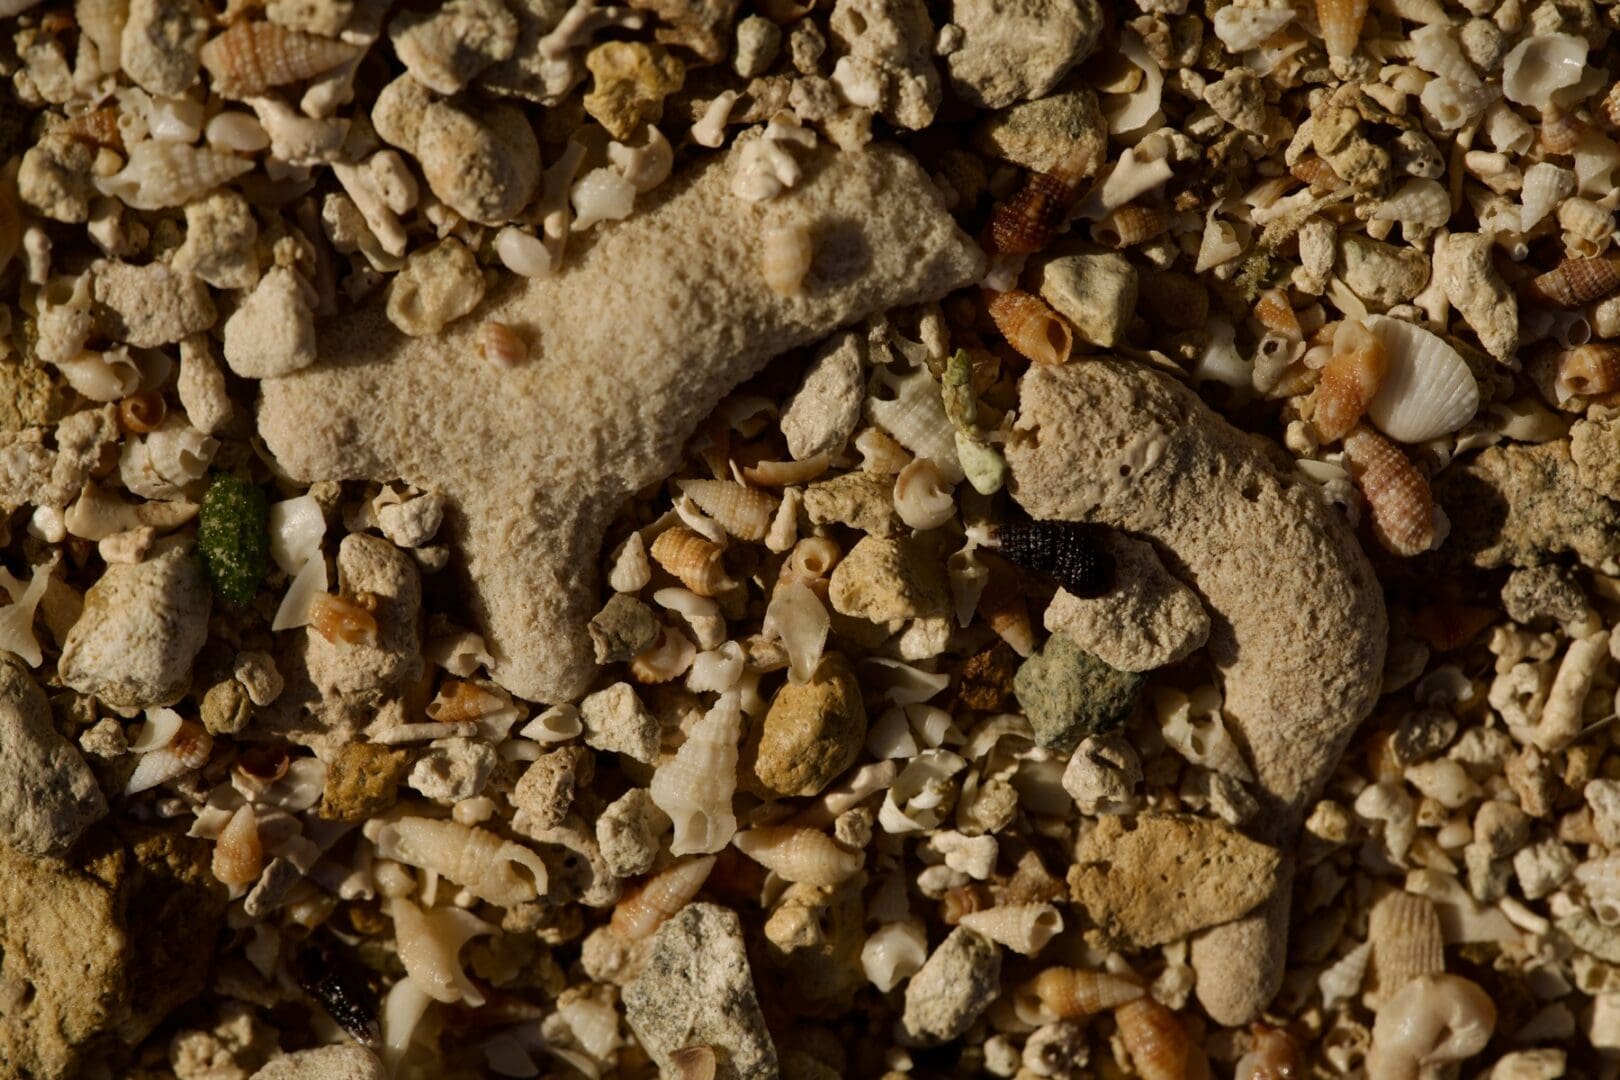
(1069, 695)
(233, 538)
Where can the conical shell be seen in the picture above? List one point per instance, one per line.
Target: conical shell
(1031, 326)
(1023, 928)
(1026, 223)
(1398, 496)
(1316, 172)
(1589, 370)
(1340, 21)
(238, 853)
(343, 621)
(1574, 283)
(785, 256)
(251, 57)
(1273, 311)
(742, 511)
(696, 785)
(1064, 993)
(1350, 380)
(1545, 186)
(1407, 942)
(1428, 390)
(187, 750)
(803, 855)
(916, 418)
(1159, 1046)
(160, 174)
(645, 909)
(491, 867)
(692, 557)
(1130, 225)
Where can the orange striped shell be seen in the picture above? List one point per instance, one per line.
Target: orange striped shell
(1159, 1046)
(1349, 381)
(1316, 172)
(694, 558)
(1026, 223)
(251, 57)
(1130, 225)
(1030, 326)
(1397, 494)
(1072, 993)
(641, 911)
(1589, 370)
(1576, 282)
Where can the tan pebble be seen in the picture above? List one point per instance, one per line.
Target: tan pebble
(812, 733)
(632, 80)
(879, 580)
(1397, 494)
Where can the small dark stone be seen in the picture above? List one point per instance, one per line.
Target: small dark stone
(1066, 551)
(342, 989)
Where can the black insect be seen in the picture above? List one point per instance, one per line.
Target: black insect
(342, 988)
(1066, 551)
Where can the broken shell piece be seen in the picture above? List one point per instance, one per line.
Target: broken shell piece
(1429, 390)
(238, 852)
(186, 750)
(785, 258)
(1062, 993)
(1406, 938)
(501, 345)
(1397, 494)
(342, 621)
(1588, 370)
(1541, 65)
(800, 855)
(922, 496)
(17, 619)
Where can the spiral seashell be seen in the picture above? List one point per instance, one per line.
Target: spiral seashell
(187, 750)
(1428, 390)
(801, 855)
(922, 497)
(742, 511)
(1273, 311)
(1130, 225)
(1275, 1055)
(1063, 993)
(487, 865)
(1341, 21)
(785, 257)
(341, 620)
(1407, 942)
(665, 660)
(1560, 131)
(1067, 551)
(500, 344)
(696, 785)
(1026, 223)
(1313, 170)
(643, 910)
(1577, 282)
(238, 853)
(1418, 204)
(1030, 326)
(142, 412)
(99, 126)
(1023, 928)
(1350, 380)
(916, 418)
(1002, 606)
(1588, 370)
(693, 558)
(251, 57)
(1398, 496)
(160, 174)
(1159, 1045)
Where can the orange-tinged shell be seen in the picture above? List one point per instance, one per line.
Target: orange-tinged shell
(1026, 223)
(1341, 21)
(1560, 131)
(251, 57)
(1065, 993)
(1273, 311)
(799, 854)
(1397, 494)
(1031, 326)
(238, 853)
(99, 126)
(1130, 225)
(1159, 1046)
(1589, 370)
(742, 511)
(1002, 606)
(461, 701)
(1316, 172)
(643, 910)
(960, 900)
(1407, 942)
(1350, 379)
(343, 621)
(1576, 282)
(693, 558)
(665, 659)
(501, 345)
(694, 1063)
(1275, 1055)
(1446, 626)
(142, 412)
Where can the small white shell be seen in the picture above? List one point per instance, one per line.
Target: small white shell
(797, 617)
(17, 619)
(1429, 390)
(695, 786)
(430, 945)
(486, 864)
(1545, 186)
(893, 953)
(1242, 27)
(1023, 928)
(916, 418)
(601, 195)
(296, 528)
(161, 174)
(799, 854)
(922, 495)
(1541, 65)
(102, 376)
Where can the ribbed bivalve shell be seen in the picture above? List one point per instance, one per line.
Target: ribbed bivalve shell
(1428, 390)
(1407, 941)
(1031, 326)
(251, 57)
(1398, 496)
(1066, 551)
(1577, 282)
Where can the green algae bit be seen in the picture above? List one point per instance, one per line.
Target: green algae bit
(233, 537)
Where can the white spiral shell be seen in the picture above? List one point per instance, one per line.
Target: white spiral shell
(1545, 186)
(485, 864)
(893, 953)
(430, 945)
(916, 418)
(1023, 928)
(742, 511)
(695, 786)
(1429, 390)
(161, 174)
(798, 854)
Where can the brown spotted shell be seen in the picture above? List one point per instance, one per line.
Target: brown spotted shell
(251, 57)
(1002, 606)
(1397, 494)
(1030, 326)
(1026, 223)
(1159, 1045)
(1350, 379)
(1589, 370)
(693, 558)
(1576, 282)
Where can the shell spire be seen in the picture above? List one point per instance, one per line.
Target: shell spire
(742, 511)
(1026, 223)
(1341, 21)
(1350, 380)
(1066, 551)
(251, 57)
(160, 174)
(643, 910)
(1576, 282)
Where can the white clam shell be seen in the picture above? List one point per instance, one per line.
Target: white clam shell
(1429, 390)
